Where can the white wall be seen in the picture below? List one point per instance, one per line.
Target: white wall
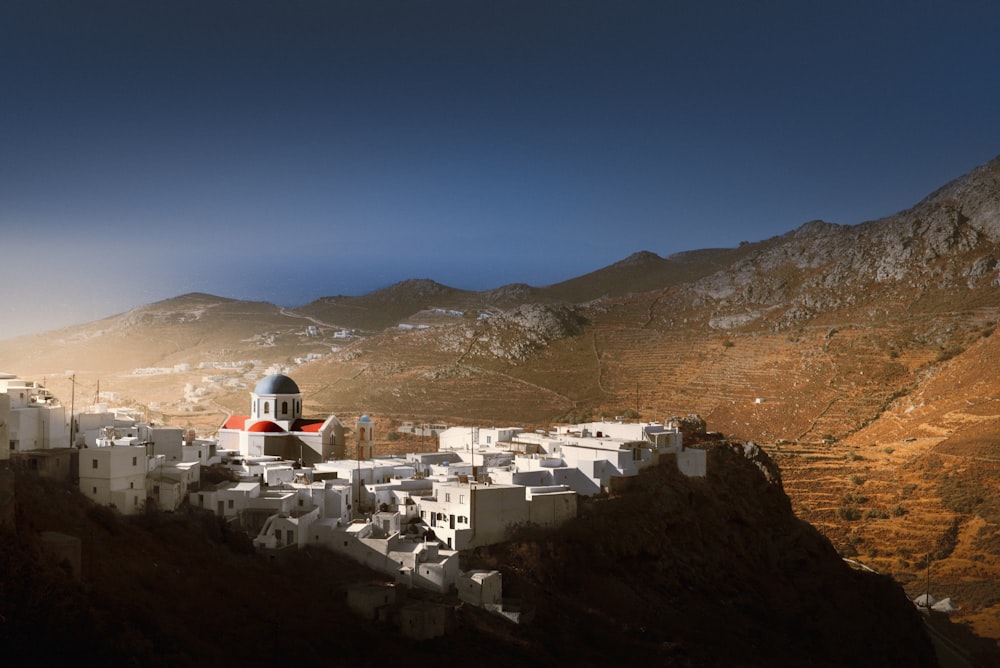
(4, 427)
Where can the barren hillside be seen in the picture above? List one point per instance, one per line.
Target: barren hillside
(832, 345)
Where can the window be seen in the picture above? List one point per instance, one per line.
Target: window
(135, 461)
(95, 491)
(461, 498)
(267, 407)
(447, 497)
(131, 485)
(230, 503)
(489, 439)
(284, 408)
(94, 464)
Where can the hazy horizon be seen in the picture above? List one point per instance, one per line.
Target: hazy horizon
(283, 152)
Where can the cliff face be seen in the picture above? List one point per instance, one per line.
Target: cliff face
(706, 572)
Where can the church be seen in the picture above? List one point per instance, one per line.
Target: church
(276, 427)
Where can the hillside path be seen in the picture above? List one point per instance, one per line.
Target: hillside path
(293, 314)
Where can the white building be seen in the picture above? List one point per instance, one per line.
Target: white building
(480, 588)
(168, 483)
(275, 426)
(468, 514)
(5, 443)
(35, 419)
(115, 475)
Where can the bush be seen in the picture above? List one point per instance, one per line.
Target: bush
(856, 479)
(898, 511)
(848, 513)
(853, 498)
(876, 514)
(946, 354)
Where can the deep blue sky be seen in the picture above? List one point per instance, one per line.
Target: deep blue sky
(287, 150)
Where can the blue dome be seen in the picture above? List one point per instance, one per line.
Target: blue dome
(276, 384)
(364, 418)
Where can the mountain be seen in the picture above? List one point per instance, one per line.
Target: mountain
(861, 355)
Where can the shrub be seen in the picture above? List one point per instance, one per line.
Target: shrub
(888, 450)
(856, 479)
(946, 354)
(848, 513)
(876, 514)
(728, 343)
(853, 498)
(898, 511)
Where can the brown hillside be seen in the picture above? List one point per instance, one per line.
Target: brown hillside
(834, 343)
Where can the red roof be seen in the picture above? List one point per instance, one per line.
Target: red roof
(266, 426)
(307, 425)
(235, 422)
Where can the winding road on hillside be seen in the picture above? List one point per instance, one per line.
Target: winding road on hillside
(293, 314)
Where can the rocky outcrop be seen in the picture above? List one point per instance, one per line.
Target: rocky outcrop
(705, 572)
(517, 334)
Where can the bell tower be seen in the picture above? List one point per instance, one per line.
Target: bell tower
(365, 429)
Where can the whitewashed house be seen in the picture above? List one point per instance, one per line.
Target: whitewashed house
(114, 475)
(480, 588)
(35, 419)
(469, 514)
(169, 483)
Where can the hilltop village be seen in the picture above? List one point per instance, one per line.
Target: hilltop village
(293, 481)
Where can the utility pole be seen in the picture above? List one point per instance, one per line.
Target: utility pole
(927, 592)
(72, 409)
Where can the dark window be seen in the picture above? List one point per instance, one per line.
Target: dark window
(94, 464)
(284, 408)
(267, 407)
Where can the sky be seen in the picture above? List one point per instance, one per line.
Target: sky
(286, 150)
